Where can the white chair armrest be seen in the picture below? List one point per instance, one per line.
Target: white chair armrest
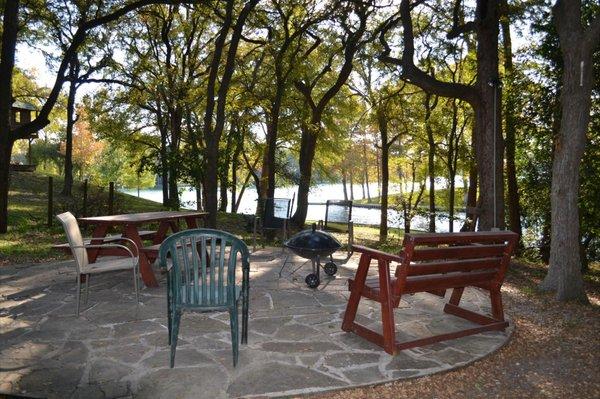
(107, 246)
(137, 251)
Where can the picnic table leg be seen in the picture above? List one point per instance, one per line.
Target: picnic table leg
(174, 226)
(191, 222)
(148, 277)
(97, 235)
(161, 233)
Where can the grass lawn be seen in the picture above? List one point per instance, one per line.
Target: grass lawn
(29, 239)
(441, 199)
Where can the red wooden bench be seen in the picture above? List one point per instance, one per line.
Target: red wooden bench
(432, 263)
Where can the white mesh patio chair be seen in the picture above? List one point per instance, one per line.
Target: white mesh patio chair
(79, 247)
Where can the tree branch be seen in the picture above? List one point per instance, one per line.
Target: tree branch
(24, 130)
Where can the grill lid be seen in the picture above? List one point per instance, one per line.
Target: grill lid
(312, 242)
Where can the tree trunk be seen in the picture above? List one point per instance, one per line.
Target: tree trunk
(224, 171)
(351, 185)
(378, 163)
(271, 139)
(234, 167)
(214, 116)
(71, 117)
(385, 172)
(7, 62)
(344, 184)
(430, 162)
(471, 194)
(362, 186)
(451, 196)
(164, 160)
(198, 197)
(577, 45)
(176, 120)
(514, 209)
(484, 97)
(6, 146)
(308, 146)
(489, 146)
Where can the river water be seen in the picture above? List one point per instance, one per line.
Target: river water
(316, 209)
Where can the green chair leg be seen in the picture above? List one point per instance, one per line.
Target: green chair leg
(175, 333)
(169, 307)
(245, 318)
(233, 321)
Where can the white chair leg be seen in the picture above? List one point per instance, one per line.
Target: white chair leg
(135, 284)
(78, 292)
(87, 288)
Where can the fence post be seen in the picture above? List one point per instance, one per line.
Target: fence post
(85, 197)
(50, 201)
(111, 197)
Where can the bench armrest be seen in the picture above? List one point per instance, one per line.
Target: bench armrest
(378, 254)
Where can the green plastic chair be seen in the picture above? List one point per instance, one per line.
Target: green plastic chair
(201, 266)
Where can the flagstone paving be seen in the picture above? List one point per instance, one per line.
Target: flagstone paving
(295, 344)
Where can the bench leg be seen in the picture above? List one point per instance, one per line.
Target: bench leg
(497, 308)
(355, 294)
(456, 295)
(387, 309)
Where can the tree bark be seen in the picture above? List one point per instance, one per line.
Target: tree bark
(7, 58)
(385, 172)
(514, 208)
(312, 129)
(216, 109)
(366, 170)
(344, 184)
(176, 120)
(7, 62)
(577, 45)
(430, 160)
(71, 117)
(489, 146)
(484, 97)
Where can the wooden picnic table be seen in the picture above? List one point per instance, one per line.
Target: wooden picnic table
(130, 224)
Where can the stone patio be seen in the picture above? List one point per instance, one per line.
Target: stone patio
(295, 345)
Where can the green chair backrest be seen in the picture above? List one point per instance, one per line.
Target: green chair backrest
(203, 264)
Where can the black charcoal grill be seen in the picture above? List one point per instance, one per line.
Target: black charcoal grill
(315, 244)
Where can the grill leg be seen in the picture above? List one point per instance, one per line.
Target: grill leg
(319, 267)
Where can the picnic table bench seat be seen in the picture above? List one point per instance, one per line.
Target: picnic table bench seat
(432, 263)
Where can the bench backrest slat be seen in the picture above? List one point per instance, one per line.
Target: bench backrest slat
(458, 252)
(446, 259)
(461, 265)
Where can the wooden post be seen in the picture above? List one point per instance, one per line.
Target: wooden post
(85, 197)
(50, 201)
(111, 198)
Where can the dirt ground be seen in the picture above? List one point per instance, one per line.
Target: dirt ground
(554, 352)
